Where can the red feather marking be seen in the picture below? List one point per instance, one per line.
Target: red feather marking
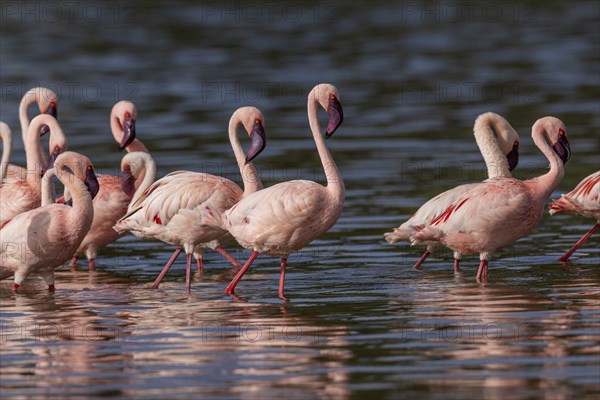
(4, 224)
(586, 186)
(443, 217)
(157, 220)
(61, 200)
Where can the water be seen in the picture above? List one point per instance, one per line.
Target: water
(360, 322)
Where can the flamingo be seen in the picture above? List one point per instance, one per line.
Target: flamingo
(286, 217)
(501, 210)
(18, 196)
(583, 200)
(169, 210)
(112, 201)
(500, 152)
(6, 136)
(38, 241)
(47, 102)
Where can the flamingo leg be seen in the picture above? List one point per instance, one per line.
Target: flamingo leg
(188, 272)
(579, 243)
(282, 278)
(423, 258)
(51, 288)
(15, 287)
(92, 264)
(73, 261)
(482, 272)
(166, 268)
(228, 256)
(199, 264)
(456, 262)
(231, 287)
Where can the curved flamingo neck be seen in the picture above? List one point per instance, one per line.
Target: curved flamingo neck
(149, 174)
(137, 145)
(250, 177)
(335, 184)
(488, 143)
(48, 187)
(544, 185)
(6, 153)
(33, 149)
(28, 99)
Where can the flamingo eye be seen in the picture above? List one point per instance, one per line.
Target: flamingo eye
(90, 168)
(127, 114)
(257, 121)
(57, 148)
(561, 132)
(332, 97)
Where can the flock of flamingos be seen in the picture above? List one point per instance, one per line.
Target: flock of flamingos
(194, 210)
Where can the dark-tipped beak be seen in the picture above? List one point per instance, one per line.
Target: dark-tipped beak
(336, 117)
(128, 132)
(55, 153)
(513, 157)
(92, 182)
(258, 142)
(128, 182)
(51, 110)
(562, 147)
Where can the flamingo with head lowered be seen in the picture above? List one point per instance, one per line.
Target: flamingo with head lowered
(113, 199)
(583, 200)
(286, 217)
(17, 196)
(39, 240)
(499, 145)
(169, 210)
(499, 211)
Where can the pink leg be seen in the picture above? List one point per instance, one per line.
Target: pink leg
(231, 287)
(282, 278)
(73, 262)
(92, 264)
(423, 258)
(15, 287)
(188, 273)
(228, 257)
(482, 271)
(199, 264)
(166, 268)
(579, 243)
(456, 262)
(51, 288)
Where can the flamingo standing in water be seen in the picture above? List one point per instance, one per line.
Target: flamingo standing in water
(169, 210)
(500, 152)
(40, 240)
(502, 210)
(583, 200)
(47, 102)
(18, 196)
(112, 201)
(286, 217)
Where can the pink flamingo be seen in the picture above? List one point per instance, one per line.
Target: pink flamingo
(38, 241)
(112, 201)
(583, 200)
(18, 196)
(286, 217)
(501, 210)
(47, 102)
(499, 145)
(6, 137)
(169, 210)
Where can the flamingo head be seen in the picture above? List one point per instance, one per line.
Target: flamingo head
(52, 109)
(125, 114)
(79, 167)
(127, 181)
(561, 146)
(329, 98)
(513, 156)
(253, 121)
(58, 145)
(46, 100)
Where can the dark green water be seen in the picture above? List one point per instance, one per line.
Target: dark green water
(360, 323)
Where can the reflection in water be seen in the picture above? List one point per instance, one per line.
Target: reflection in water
(361, 323)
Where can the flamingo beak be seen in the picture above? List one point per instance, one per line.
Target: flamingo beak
(128, 182)
(513, 157)
(562, 147)
(55, 153)
(92, 182)
(51, 110)
(336, 116)
(258, 141)
(128, 132)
